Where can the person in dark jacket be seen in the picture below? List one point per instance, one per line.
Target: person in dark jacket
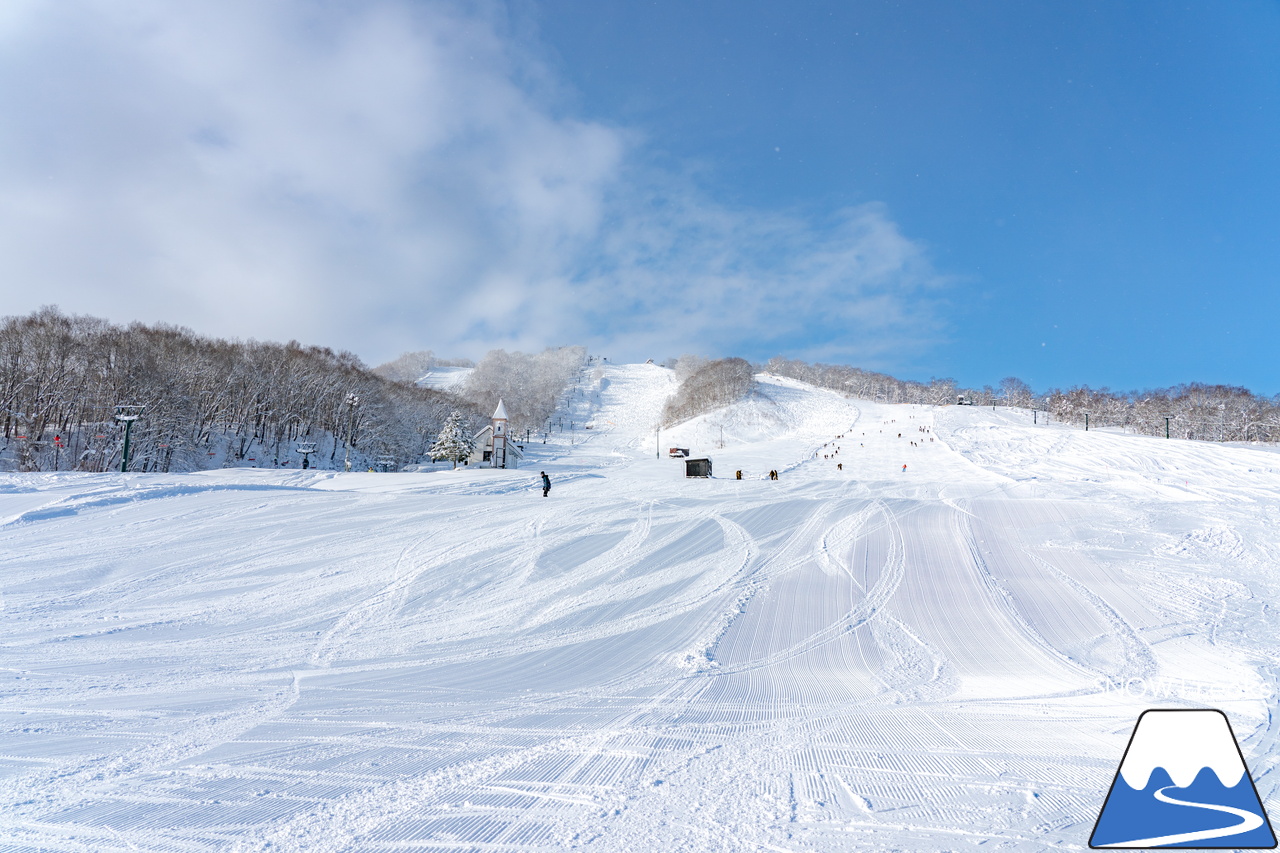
(546, 483)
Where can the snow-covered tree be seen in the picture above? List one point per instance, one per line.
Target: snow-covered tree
(455, 442)
(1016, 392)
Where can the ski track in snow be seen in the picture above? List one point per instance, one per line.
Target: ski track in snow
(945, 658)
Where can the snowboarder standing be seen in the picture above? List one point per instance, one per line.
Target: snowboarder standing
(546, 483)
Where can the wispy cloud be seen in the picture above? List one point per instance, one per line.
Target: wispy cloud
(390, 175)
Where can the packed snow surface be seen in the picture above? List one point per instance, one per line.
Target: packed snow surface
(856, 656)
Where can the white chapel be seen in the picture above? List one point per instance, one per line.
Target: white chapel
(494, 448)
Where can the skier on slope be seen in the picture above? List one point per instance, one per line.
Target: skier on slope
(546, 483)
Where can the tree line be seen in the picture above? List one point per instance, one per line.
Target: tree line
(1191, 411)
(208, 402)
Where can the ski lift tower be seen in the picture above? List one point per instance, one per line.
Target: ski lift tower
(306, 448)
(352, 401)
(127, 414)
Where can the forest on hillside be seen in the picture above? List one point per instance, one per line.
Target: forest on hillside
(208, 402)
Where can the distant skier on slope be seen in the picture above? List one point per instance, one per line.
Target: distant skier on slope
(904, 467)
(546, 483)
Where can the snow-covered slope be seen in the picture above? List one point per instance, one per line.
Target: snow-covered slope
(855, 656)
(444, 378)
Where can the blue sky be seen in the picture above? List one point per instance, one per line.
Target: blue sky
(1065, 192)
(1099, 182)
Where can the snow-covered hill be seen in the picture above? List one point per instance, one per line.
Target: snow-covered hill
(853, 657)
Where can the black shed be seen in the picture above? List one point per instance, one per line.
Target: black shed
(697, 467)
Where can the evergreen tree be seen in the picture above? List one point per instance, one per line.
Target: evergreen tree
(455, 442)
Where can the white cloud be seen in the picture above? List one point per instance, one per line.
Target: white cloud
(383, 176)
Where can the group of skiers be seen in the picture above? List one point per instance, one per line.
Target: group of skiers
(773, 472)
(737, 475)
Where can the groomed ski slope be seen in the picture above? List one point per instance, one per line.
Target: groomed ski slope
(946, 658)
